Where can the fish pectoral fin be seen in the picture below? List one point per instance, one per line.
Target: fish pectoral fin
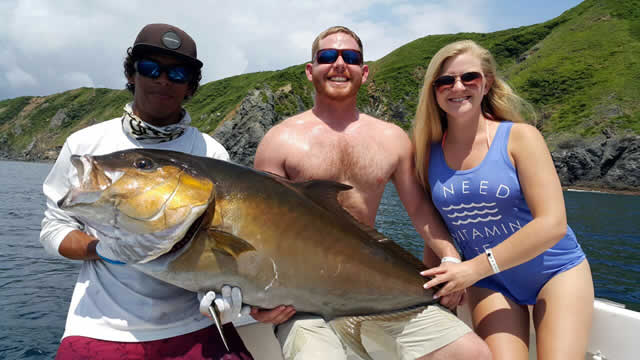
(228, 243)
(349, 328)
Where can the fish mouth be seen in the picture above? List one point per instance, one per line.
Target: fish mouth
(88, 186)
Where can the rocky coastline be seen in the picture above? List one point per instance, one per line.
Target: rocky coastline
(604, 165)
(609, 165)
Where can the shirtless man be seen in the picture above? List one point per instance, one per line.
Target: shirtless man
(334, 141)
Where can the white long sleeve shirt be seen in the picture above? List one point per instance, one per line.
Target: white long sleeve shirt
(117, 302)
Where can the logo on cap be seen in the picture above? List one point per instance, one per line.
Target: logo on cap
(171, 40)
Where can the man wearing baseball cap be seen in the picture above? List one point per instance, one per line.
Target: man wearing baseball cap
(116, 311)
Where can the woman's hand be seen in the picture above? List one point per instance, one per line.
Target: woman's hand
(455, 278)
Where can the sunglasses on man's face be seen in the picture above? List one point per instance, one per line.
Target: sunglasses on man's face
(447, 81)
(179, 74)
(329, 56)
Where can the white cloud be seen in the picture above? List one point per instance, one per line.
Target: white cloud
(41, 27)
(18, 78)
(75, 80)
(63, 44)
(449, 17)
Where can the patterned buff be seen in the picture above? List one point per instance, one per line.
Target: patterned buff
(148, 134)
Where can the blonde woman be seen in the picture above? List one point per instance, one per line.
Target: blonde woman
(491, 177)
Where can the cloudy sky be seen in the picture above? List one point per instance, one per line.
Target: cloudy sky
(53, 46)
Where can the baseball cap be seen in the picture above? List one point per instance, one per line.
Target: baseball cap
(166, 39)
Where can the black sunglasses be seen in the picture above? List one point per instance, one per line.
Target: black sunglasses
(329, 56)
(447, 81)
(179, 74)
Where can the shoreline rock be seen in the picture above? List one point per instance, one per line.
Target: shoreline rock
(242, 134)
(610, 165)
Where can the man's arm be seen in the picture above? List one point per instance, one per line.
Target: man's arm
(78, 245)
(423, 214)
(61, 234)
(270, 156)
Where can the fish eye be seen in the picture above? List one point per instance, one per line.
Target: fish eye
(143, 164)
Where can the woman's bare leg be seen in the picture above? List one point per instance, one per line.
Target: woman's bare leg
(502, 323)
(563, 313)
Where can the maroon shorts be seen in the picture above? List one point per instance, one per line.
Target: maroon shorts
(198, 345)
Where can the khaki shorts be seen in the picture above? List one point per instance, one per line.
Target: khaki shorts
(307, 337)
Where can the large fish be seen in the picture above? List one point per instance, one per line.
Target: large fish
(201, 223)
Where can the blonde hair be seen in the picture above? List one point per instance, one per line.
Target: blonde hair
(500, 103)
(333, 30)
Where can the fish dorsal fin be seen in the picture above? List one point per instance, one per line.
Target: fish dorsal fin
(228, 243)
(325, 194)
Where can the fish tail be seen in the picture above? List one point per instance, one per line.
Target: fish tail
(348, 330)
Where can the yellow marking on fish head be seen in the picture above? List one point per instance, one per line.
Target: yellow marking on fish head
(160, 198)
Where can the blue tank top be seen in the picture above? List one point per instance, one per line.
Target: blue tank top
(483, 206)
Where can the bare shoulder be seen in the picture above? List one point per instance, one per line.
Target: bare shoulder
(279, 142)
(388, 141)
(527, 143)
(374, 121)
(525, 134)
(386, 129)
(298, 119)
(286, 127)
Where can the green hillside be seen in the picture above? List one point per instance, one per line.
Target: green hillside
(580, 70)
(215, 100)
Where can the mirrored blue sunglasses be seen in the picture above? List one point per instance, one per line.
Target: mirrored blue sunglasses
(329, 56)
(175, 73)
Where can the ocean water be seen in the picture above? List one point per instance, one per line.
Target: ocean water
(35, 287)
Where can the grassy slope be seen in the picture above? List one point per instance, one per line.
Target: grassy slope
(582, 73)
(33, 114)
(401, 72)
(216, 99)
(582, 77)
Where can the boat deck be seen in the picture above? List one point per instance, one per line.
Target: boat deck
(615, 335)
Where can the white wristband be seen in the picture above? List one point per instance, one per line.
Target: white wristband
(450, 259)
(492, 261)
